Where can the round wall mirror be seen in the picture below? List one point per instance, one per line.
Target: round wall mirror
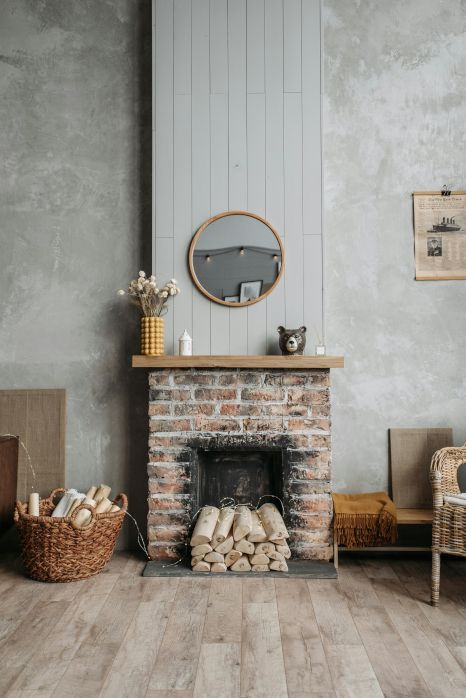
(236, 258)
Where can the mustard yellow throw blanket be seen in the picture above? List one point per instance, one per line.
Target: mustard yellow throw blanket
(364, 519)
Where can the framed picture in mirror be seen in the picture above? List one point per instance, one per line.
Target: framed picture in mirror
(236, 258)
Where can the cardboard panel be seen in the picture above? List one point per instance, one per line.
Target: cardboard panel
(38, 417)
(411, 451)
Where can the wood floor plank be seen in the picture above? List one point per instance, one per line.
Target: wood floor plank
(223, 619)
(262, 665)
(307, 671)
(88, 669)
(46, 666)
(131, 669)
(218, 671)
(440, 670)
(396, 672)
(258, 590)
(350, 667)
(176, 663)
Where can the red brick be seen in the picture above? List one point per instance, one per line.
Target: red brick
(299, 424)
(159, 441)
(301, 396)
(162, 456)
(194, 379)
(282, 409)
(262, 394)
(273, 378)
(165, 552)
(167, 534)
(320, 425)
(296, 379)
(312, 474)
(317, 536)
(268, 424)
(312, 503)
(318, 441)
(321, 410)
(172, 394)
(163, 502)
(186, 409)
(162, 487)
(241, 409)
(216, 394)
(320, 397)
(172, 472)
(321, 379)
(159, 377)
(298, 440)
(308, 457)
(309, 522)
(170, 424)
(305, 551)
(240, 378)
(206, 424)
(159, 408)
(175, 518)
(306, 486)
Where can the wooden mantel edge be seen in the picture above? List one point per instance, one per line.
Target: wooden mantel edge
(270, 361)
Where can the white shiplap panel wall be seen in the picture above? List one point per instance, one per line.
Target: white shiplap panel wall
(237, 126)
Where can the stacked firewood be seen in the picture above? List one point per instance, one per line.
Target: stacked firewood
(240, 539)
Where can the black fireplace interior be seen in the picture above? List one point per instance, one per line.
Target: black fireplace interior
(244, 475)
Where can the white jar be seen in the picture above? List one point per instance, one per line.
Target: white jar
(185, 344)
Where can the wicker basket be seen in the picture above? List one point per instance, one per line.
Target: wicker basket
(54, 549)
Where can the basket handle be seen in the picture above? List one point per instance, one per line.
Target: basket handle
(91, 521)
(54, 493)
(124, 501)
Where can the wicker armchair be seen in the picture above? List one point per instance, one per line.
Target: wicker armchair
(449, 522)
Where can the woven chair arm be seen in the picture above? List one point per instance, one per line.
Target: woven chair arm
(444, 467)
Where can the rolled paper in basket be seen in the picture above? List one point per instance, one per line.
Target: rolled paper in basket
(83, 516)
(102, 492)
(91, 492)
(33, 507)
(64, 503)
(115, 507)
(74, 504)
(103, 506)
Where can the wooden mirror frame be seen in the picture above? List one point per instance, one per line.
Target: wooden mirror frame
(191, 258)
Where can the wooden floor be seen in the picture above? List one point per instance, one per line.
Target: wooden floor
(371, 633)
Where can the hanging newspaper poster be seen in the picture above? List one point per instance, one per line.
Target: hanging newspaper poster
(440, 235)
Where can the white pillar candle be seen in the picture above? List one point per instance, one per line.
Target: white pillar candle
(33, 507)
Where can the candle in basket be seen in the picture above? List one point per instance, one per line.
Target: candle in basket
(33, 507)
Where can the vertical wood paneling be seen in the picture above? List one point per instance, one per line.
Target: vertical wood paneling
(183, 305)
(293, 209)
(164, 118)
(274, 201)
(220, 316)
(255, 46)
(292, 45)
(237, 144)
(237, 118)
(312, 290)
(200, 149)
(164, 272)
(257, 314)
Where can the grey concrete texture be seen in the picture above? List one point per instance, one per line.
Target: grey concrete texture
(75, 178)
(394, 123)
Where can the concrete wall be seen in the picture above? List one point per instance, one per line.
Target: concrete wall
(237, 127)
(75, 197)
(394, 123)
(75, 175)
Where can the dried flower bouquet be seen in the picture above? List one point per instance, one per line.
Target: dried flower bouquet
(151, 299)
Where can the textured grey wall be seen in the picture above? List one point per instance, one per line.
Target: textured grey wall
(75, 176)
(75, 199)
(394, 120)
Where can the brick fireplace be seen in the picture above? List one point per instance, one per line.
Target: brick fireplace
(259, 421)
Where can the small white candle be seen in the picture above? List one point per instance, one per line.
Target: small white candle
(33, 507)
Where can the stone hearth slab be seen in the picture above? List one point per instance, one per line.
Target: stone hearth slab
(303, 569)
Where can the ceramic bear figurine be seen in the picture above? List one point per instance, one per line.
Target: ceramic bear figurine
(292, 342)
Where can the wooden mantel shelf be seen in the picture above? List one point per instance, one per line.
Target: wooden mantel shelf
(294, 362)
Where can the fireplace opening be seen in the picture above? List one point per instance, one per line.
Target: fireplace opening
(244, 475)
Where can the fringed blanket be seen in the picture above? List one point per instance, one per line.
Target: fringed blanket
(362, 520)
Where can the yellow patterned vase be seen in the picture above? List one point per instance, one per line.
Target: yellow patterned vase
(152, 336)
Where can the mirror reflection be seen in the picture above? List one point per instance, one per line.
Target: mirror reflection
(236, 258)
